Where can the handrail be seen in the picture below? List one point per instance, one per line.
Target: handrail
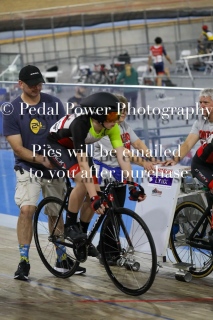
(115, 86)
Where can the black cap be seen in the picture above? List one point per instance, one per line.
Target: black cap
(31, 75)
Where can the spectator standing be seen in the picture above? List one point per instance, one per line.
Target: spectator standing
(129, 76)
(76, 99)
(26, 127)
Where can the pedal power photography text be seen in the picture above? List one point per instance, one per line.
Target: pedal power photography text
(165, 113)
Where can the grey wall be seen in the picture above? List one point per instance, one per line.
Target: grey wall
(177, 35)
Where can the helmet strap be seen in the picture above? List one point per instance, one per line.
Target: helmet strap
(102, 123)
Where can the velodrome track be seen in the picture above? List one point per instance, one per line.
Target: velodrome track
(83, 6)
(24, 9)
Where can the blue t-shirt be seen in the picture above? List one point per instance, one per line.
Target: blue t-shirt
(33, 124)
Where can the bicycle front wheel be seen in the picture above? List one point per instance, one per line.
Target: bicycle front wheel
(55, 255)
(186, 217)
(128, 252)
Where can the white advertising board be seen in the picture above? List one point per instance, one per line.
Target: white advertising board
(162, 190)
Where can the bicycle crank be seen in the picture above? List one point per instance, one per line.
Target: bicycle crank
(80, 251)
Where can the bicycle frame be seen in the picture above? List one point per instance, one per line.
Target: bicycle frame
(108, 195)
(197, 241)
(199, 223)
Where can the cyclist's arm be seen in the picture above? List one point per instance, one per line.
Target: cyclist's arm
(168, 59)
(16, 144)
(143, 149)
(126, 169)
(86, 174)
(141, 161)
(124, 163)
(150, 60)
(148, 165)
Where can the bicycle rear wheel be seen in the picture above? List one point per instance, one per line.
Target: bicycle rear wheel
(48, 247)
(134, 254)
(186, 216)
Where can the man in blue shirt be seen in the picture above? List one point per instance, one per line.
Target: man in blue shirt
(26, 123)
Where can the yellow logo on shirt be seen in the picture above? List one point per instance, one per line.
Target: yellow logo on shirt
(35, 126)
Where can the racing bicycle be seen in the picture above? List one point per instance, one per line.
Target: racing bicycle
(191, 238)
(134, 250)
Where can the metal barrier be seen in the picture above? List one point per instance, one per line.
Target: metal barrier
(156, 120)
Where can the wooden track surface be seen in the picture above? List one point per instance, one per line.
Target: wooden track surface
(92, 296)
(94, 6)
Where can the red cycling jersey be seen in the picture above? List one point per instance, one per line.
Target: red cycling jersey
(157, 53)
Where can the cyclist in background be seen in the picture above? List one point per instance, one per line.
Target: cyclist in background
(202, 129)
(205, 41)
(156, 60)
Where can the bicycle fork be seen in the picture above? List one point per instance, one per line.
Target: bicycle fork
(126, 256)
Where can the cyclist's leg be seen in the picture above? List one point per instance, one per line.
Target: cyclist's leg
(72, 230)
(86, 214)
(167, 73)
(159, 68)
(65, 161)
(202, 170)
(76, 201)
(56, 188)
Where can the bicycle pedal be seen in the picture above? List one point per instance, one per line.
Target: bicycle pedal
(80, 251)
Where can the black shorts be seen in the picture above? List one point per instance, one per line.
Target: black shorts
(159, 68)
(65, 159)
(203, 171)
